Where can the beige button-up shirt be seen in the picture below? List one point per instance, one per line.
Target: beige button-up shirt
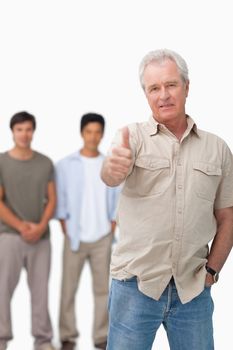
(166, 208)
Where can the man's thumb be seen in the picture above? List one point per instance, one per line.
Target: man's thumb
(125, 137)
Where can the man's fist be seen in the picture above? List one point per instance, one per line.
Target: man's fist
(116, 166)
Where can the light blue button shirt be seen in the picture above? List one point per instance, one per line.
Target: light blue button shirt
(69, 176)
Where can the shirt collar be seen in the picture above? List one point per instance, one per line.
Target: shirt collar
(153, 126)
(192, 126)
(76, 155)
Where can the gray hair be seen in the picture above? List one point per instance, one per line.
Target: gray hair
(160, 56)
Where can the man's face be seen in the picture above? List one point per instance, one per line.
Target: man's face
(92, 134)
(23, 134)
(165, 90)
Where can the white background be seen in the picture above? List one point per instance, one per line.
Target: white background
(60, 59)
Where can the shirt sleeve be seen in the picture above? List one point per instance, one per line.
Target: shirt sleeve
(51, 172)
(61, 206)
(113, 198)
(224, 197)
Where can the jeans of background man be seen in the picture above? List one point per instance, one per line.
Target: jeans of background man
(135, 318)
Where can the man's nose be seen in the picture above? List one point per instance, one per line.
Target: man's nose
(164, 93)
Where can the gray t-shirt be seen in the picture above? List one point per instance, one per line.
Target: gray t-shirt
(25, 187)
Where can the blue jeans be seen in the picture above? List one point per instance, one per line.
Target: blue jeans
(135, 318)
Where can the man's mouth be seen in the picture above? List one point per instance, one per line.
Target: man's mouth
(168, 105)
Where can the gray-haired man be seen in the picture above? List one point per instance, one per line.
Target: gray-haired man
(177, 197)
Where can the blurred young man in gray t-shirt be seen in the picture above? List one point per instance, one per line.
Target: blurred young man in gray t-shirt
(27, 202)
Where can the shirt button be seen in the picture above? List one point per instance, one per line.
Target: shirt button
(174, 265)
(177, 237)
(180, 187)
(180, 211)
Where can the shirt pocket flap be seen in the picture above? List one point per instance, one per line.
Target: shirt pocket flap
(207, 168)
(152, 163)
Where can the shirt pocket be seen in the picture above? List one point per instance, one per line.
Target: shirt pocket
(207, 177)
(152, 175)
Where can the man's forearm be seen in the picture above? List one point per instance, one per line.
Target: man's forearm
(50, 207)
(48, 213)
(9, 218)
(223, 241)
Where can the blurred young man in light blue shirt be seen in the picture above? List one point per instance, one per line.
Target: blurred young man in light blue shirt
(86, 209)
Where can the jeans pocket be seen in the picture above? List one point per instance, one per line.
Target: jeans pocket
(129, 280)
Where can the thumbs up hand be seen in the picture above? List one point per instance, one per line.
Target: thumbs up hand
(125, 138)
(116, 166)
